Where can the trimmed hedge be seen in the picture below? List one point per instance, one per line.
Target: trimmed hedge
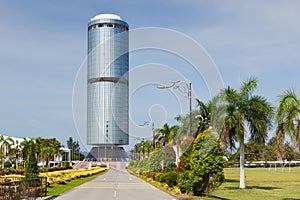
(61, 177)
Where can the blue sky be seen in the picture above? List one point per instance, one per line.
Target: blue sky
(43, 45)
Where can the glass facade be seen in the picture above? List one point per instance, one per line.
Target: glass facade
(107, 103)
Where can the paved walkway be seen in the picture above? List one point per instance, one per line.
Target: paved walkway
(115, 184)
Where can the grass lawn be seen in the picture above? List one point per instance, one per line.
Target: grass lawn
(261, 184)
(56, 190)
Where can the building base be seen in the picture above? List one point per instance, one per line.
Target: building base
(103, 153)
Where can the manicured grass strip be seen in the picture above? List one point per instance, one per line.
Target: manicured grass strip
(261, 183)
(56, 190)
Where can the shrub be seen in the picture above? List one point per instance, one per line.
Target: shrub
(185, 182)
(160, 178)
(171, 178)
(169, 155)
(150, 175)
(19, 172)
(155, 159)
(60, 177)
(142, 164)
(170, 167)
(7, 164)
(133, 163)
(203, 161)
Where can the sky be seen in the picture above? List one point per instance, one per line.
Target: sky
(43, 47)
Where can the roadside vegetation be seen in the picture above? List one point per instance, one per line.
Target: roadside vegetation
(27, 163)
(230, 130)
(62, 181)
(64, 176)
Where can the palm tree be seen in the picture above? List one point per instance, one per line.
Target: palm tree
(39, 145)
(50, 148)
(167, 133)
(1, 150)
(6, 144)
(148, 147)
(204, 115)
(288, 120)
(29, 154)
(56, 145)
(138, 151)
(242, 109)
(156, 139)
(25, 148)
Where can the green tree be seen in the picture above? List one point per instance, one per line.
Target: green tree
(204, 116)
(15, 152)
(148, 147)
(254, 151)
(47, 149)
(161, 158)
(242, 107)
(288, 120)
(5, 147)
(184, 128)
(167, 133)
(29, 152)
(201, 165)
(73, 145)
(138, 151)
(155, 160)
(75, 149)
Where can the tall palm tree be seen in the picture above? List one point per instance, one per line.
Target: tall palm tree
(6, 144)
(288, 120)
(39, 145)
(25, 148)
(56, 145)
(1, 150)
(167, 133)
(242, 109)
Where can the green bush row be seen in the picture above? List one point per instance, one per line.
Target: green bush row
(199, 171)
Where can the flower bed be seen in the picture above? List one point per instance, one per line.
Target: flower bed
(61, 177)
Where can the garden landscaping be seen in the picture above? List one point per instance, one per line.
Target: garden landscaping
(199, 171)
(59, 188)
(57, 182)
(261, 183)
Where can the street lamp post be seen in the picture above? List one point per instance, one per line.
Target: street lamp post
(176, 85)
(147, 123)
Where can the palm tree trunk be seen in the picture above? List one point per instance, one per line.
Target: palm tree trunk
(242, 166)
(279, 144)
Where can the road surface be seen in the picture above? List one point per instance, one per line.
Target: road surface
(113, 185)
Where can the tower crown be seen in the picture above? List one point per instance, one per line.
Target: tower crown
(106, 16)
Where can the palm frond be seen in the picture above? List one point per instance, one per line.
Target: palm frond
(259, 116)
(248, 87)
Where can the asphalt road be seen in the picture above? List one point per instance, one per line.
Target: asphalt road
(115, 184)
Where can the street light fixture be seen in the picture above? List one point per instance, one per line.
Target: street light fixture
(187, 90)
(147, 123)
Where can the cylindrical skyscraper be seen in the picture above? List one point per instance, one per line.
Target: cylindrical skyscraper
(107, 87)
